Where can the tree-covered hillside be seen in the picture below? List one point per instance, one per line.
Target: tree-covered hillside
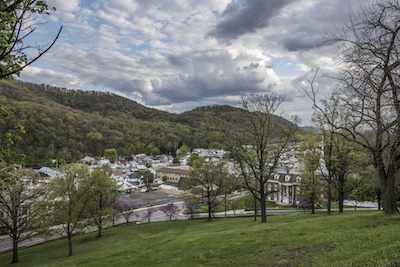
(71, 124)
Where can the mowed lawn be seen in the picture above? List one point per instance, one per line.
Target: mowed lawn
(362, 238)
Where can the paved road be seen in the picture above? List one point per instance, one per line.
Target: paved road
(152, 199)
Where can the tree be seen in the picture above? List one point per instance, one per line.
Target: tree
(183, 151)
(209, 177)
(176, 160)
(101, 206)
(148, 213)
(155, 151)
(310, 182)
(192, 203)
(192, 158)
(304, 204)
(170, 210)
(17, 25)
(230, 183)
(71, 191)
(111, 154)
(148, 176)
(23, 205)
(368, 83)
(127, 209)
(270, 138)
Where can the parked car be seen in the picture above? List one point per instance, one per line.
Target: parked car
(144, 190)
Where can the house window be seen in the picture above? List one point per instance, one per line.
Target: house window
(298, 179)
(287, 178)
(276, 176)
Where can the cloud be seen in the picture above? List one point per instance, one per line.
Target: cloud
(155, 52)
(63, 5)
(243, 17)
(49, 77)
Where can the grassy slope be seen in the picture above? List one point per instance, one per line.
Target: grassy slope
(353, 239)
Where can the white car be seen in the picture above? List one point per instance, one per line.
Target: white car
(143, 190)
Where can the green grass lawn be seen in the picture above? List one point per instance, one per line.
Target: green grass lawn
(362, 238)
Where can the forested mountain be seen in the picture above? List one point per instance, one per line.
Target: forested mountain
(71, 124)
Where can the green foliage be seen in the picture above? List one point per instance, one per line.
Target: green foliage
(23, 205)
(102, 204)
(72, 124)
(16, 25)
(72, 194)
(210, 178)
(193, 157)
(148, 176)
(111, 155)
(155, 151)
(176, 160)
(183, 150)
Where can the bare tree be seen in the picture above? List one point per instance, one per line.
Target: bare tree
(270, 138)
(17, 26)
(170, 210)
(368, 84)
(23, 206)
(127, 209)
(192, 204)
(148, 212)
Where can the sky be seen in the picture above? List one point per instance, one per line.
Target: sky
(176, 55)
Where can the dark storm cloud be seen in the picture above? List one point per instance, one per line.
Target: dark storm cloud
(241, 17)
(302, 42)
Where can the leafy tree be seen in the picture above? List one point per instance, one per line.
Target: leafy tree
(258, 155)
(368, 83)
(176, 160)
(71, 191)
(209, 177)
(148, 176)
(155, 151)
(193, 157)
(23, 205)
(17, 25)
(183, 151)
(310, 182)
(170, 210)
(127, 209)
(101, 206)
(111, 155)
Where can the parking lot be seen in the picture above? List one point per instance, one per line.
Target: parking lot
(150, 198)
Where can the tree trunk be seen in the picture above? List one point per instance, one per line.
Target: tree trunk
(263, 204)
(209, 212)
(225, 205)
(329, 196)
(388, 185)
(389, 196)
(312, 203)
(255, 208)
(100, 230)
(15, 249)
(70, 244)
(341, 200)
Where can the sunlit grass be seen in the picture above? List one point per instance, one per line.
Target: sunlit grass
(351, 239)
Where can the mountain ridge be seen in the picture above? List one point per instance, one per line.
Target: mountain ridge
(70, 124)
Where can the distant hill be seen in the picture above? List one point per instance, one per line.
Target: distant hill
(71, 124)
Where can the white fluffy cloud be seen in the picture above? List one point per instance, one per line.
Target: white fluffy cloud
(178, 54)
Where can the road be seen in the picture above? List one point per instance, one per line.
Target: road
(152, 199)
